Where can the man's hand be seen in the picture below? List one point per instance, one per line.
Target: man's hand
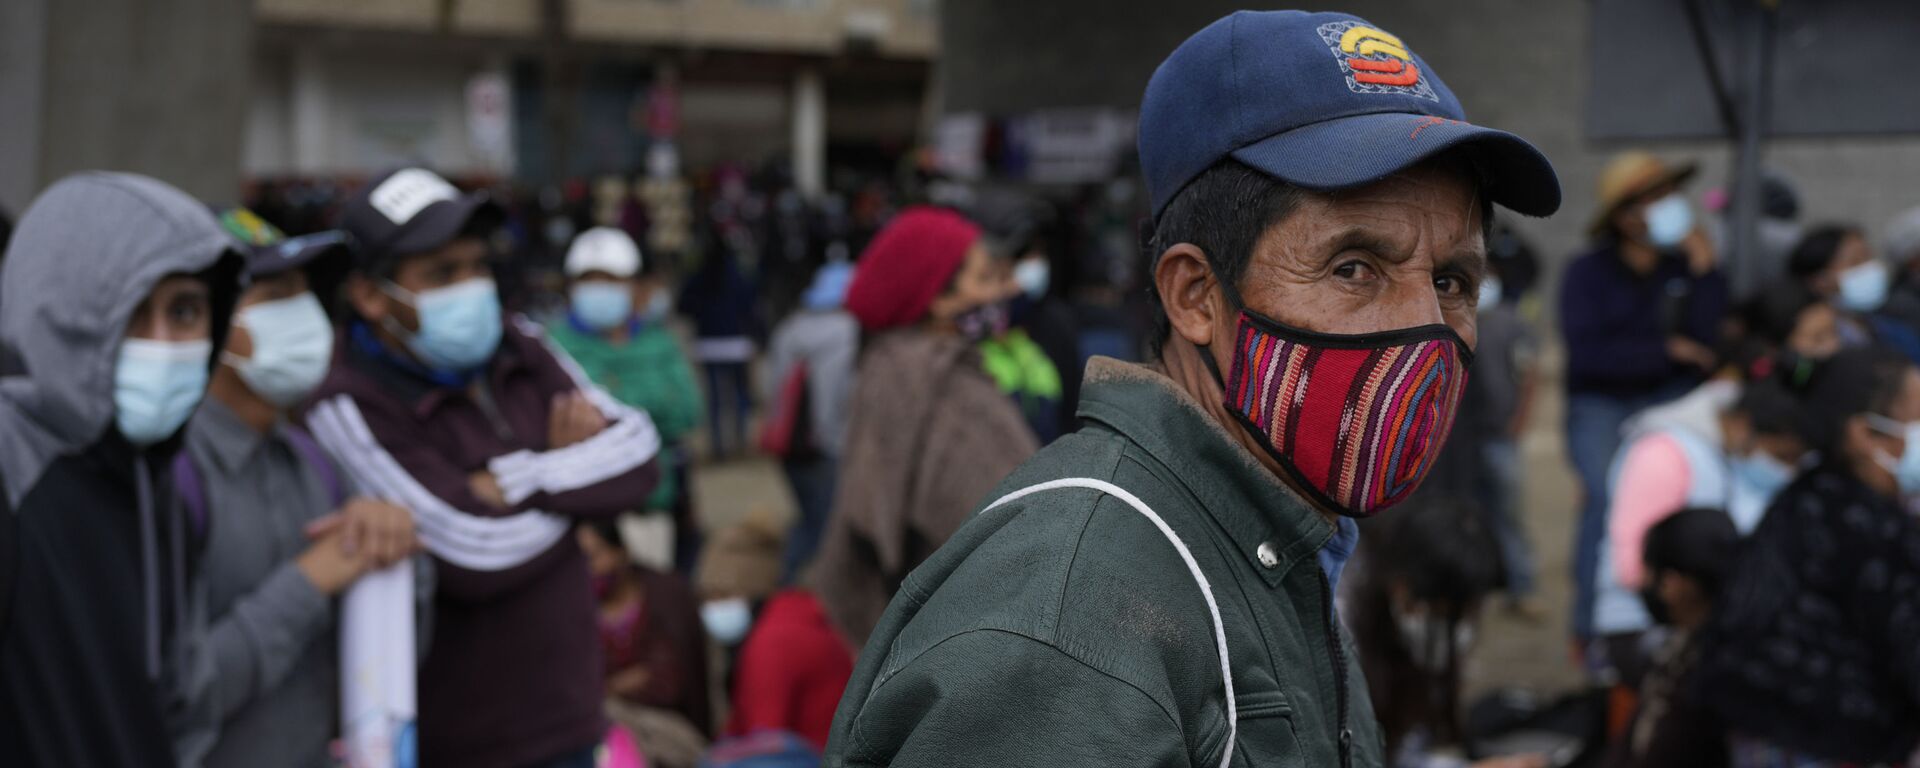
(326, 563)
(572, 419)
(484, 487)
(374, 530)
(1681, 349)
(1700, 255)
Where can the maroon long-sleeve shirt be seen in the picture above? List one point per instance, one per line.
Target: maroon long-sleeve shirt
(664, 637)
(513, 675)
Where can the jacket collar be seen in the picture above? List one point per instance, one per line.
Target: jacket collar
(634, 326)
(1245, 499)
(420, 389)
(228, 440)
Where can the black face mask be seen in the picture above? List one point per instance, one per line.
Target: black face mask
(983, 322)
(1656, 607)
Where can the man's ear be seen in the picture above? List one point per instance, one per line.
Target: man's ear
(365, 297)
(1186, 286)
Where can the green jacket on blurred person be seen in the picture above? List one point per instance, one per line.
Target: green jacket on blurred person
(649, 372)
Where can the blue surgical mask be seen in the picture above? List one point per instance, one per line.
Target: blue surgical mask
(459, 324)
(602, 305)
(292, 348)
(1669, 219)
(1864, 288)
(156, 386)
(727, 620)
(1762, 474)
(1033, 276)
(1906, 469)
(1489, 293)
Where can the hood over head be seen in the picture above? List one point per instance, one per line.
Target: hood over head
(84, 255)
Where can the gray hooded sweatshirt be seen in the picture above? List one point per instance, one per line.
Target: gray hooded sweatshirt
(94, 563)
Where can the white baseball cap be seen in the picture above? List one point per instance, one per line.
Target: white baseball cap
(603, 249)
(1903, 236)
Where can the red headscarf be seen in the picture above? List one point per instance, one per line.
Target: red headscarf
(907, 265)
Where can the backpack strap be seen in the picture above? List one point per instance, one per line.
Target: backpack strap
(317, 457)
(192, 492)
(1186, 556)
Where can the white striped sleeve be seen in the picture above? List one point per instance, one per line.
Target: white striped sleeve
(630, 440)
(466, 540)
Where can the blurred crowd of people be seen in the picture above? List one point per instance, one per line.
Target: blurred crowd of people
(1747, 567)
(1746, 555)
(384, 443)
(1747, 564)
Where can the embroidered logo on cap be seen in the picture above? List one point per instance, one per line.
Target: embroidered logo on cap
(1374, 61)
(249, 228)
(407, 191)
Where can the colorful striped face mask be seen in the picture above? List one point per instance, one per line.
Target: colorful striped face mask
(1356, 420)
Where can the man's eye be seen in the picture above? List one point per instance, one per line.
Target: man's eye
(1450, 286)
(186, 313)
(1354, 270)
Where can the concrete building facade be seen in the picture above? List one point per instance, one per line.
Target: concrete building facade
(210, 93)
(153, 86)
(1518, 65)
(347, 88)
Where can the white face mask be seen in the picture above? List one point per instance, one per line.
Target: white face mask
(1906, 468)
(1864, 288)
(459, 324)
(1669, 220)
(1032, 275)
(727, 620)
(602, 305)
(156, 386)
(292, 348)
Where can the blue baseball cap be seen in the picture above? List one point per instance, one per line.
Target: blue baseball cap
(1324, 101)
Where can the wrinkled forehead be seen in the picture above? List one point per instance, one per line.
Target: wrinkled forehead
(1440, 204)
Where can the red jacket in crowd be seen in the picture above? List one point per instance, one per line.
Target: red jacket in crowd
(791, 670)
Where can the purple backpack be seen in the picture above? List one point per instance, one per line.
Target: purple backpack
(193, 491)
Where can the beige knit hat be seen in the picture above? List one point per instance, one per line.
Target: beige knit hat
(742, 559)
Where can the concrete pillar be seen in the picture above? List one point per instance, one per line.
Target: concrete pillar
(308, 137)
(151, 86)
(23, 29)
(809, 133)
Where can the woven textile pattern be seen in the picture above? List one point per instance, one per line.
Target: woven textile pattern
(1362, 426)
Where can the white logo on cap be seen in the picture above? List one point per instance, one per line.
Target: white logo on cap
(407, 191)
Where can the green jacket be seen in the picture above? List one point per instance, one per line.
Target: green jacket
(649, 372)
(1065, 629)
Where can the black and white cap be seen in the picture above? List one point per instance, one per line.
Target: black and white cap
(412, 210)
